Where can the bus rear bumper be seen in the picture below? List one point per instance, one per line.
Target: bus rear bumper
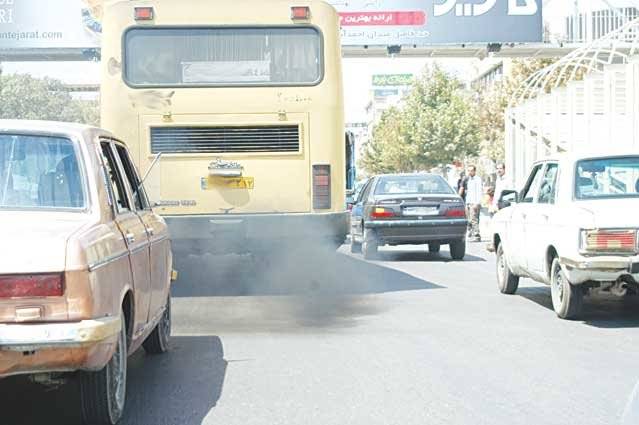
(225, 233)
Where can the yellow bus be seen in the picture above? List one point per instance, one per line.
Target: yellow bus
(240, 103)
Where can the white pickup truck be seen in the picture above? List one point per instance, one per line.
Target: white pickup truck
(574, 227)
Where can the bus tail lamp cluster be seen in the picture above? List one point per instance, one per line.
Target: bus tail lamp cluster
(300, 13)
(322, 187)
(144, 14)
(28, 286)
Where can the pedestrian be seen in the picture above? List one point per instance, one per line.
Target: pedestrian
(501, 185)
(462, 185)
(474, 190)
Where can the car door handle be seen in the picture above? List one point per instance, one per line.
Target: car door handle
(150, 231)
(130, 238)
(545, 217)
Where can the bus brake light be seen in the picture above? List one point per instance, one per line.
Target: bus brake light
(322, 187)
(143, 13)
(300, 13)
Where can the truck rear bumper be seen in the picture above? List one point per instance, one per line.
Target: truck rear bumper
(602, 269)
(248, 232)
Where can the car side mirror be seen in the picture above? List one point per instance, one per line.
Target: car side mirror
(507, 198)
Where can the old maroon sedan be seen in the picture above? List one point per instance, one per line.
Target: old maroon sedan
(85, 264)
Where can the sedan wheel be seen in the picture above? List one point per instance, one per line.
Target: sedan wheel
(458, 250)
(434, 247)
(103, 393)
(567, 299)
(370, 245)
(158, 341)
(356, 247)
(506, 280)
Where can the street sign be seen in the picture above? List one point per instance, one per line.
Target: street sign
(439, 22)
(386, 80)
(47, 24)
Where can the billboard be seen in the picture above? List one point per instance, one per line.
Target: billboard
(48, 24)
(437, 22)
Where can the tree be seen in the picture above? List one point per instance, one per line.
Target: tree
(389, 150)
(436, 124)
(441, 121)
(26, 97)
(492, 104)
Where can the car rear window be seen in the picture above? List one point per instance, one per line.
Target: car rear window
(607, 178)
(39, 172)
(413, 185)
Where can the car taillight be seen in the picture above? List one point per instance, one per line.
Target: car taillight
(381, 212)
(321, 187)
(609, 240)
(26, 286)
(456, 212)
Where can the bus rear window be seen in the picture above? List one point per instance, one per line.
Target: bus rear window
(174, 57)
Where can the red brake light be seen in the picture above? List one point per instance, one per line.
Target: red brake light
(143, 13)
(299, 13)
(609, 240)
(321, 187)
(456, 212)
(26, 286)
(381, 212)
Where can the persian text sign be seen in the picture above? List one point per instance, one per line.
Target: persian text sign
(432, 22)
(386, 80)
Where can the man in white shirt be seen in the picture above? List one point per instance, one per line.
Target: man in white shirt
(500, 185)
(473, 188)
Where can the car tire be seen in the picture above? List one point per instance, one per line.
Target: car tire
(434, 247)
(567, 299)
(370, 245)
(356, 247)
(158, 341)
(458, 249)
(103, 393)
(507, 281)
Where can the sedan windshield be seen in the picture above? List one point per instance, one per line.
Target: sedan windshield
(607, 178)
(39, 172)
(413, 185)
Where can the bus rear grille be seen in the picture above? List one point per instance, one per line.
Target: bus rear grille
(280, 138)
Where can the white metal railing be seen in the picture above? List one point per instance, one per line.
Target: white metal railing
(589, 99)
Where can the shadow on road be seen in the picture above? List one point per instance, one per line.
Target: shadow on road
(598, 311)
(316, 274)
(180, 387)
(424, 257)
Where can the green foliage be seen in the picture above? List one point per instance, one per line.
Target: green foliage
(26, 97)
(492, 106)
(436, 124)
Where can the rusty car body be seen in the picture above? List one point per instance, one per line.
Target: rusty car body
(85, 263)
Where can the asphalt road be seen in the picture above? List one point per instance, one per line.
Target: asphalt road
(327, 339)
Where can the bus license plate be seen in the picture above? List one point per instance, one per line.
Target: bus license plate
(421, 211)
(228, 183)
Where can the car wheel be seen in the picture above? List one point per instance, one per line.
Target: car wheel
(434, 247)
(458, 250)
(158, 341)
(506, 280)
(356, 247)
(103, 393)
(370, 245)
(567, 299)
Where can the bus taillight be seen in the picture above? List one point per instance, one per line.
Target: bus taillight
(300, 13)
(322, 187)
(143, 13)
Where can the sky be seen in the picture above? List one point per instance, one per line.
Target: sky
(357, 72)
